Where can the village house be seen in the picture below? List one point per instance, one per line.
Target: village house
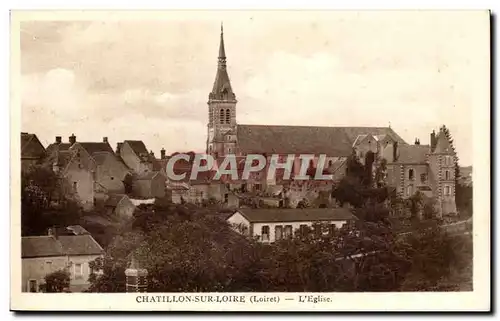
(42, 255)
(32, 151)
(149, 185)
(270, 225)
(93, 171)
(119, 205)
(135, 155)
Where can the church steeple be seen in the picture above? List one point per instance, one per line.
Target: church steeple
(222, 89)
(222, 51)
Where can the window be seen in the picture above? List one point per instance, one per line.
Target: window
(75, 186)
(411, 174)
(265, 233)
(228, 116)
(423, 178)
(447, 175)
(278, 232)
(330, 163)
(447, 190)
(303, 229)
(112, 178)
(288, 231)
(78, 271)
(409, 190)
(331, 229)
(48, 266)
(221, 116)
(32, 286)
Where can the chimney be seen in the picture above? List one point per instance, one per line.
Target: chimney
(118, 148)
(151, 153)
(58, 139)
(72, 139)
(105, 139)
(395, 152)
(433, 140)
(162, 153)
(417, 141)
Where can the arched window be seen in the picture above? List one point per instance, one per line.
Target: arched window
(221, 115)
(228, 116)
(447, 175)
(409, 190)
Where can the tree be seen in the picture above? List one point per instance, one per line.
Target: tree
(450, 139)
(57, 281)
(40, 187)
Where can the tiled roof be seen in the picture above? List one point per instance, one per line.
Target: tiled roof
(297, 215)
(77, 229)
(31, 146)
(40, 246)
(54, 146)
(96, 147)
(80, 245)
(45, 246)
(137, 146)
(412, 154)
(333, 141)
(113, 200)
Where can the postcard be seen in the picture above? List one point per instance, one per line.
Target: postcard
(250, 160)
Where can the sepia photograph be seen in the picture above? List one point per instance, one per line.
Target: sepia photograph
(250, 160)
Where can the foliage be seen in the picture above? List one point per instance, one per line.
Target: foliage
(463, 199)
(450, 139)
(41, 205)
(57, 281)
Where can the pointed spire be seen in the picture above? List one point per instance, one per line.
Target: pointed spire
(222, 87)
(222, 51)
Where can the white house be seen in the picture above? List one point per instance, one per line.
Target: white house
(269, 225)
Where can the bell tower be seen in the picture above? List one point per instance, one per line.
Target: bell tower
(221, 139)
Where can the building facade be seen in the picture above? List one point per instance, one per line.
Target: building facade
(428, 169)
(270, 225)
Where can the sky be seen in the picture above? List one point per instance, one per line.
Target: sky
(149, 79)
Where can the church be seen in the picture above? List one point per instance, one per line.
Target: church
(410, 168)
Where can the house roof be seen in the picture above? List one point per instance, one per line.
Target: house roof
(137, 146)
(297, 215)
(40, 246)
(80, 245)
(31, 146)
(77, 229)
(96, 147)
(413, 154)
(114, 199)
(60, 147)
(333, 141)
(45, 246)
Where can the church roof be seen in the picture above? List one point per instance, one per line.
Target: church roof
(413, 154)
(332, 141)
(222, 89)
